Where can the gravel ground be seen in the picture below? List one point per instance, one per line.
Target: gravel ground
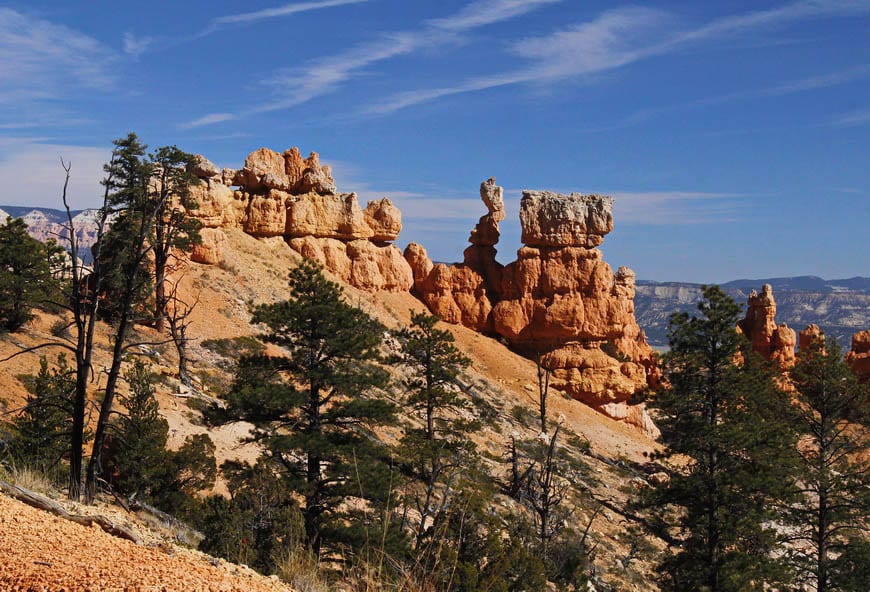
(40, 552)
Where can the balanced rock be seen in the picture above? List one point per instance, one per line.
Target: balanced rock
(555, 220)
(203, 168)
(264, 164)
(384, 219)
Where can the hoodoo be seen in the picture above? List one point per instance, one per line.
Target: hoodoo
(559, 302)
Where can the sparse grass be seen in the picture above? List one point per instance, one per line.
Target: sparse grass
(228, 267)
(213, 382)
(235, 347)
(298, 567)
(525, 416)
(60, 328)
(28, 477)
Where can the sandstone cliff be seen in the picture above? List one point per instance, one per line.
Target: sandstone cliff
(285, 195)
(559, 302)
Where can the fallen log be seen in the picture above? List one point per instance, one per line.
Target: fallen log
(49, 505)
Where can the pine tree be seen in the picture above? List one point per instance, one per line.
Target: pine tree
(138, 462)
(141, 191)
(440, 449)
(26, 273)
(173, 228)
(141, 434)
(725, 421)
(830, 514)
(313, 407)
(41, 430)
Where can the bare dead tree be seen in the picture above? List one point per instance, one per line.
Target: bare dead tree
(545, 494)
(84, 303)
(543, 372)
(178, 314)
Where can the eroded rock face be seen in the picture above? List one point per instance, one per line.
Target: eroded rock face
(456, 293)
(859, 357)
(773, 342)
(559, 302)
(211, 250)
(286, 195)
(554, 220)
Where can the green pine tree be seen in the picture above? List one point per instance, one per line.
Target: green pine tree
(138, 462)
(141, 435)
(440, 450)
(41, 430)
(830, 514)
(27, 276)
(722, 422)
(314, 408)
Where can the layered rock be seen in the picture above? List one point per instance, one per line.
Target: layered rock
(559, 302)
(773, 342)
(859, 357)
(286, 195)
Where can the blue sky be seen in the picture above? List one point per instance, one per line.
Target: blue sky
(734, 135)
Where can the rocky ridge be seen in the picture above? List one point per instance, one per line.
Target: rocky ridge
(44, 224)
(285, 195)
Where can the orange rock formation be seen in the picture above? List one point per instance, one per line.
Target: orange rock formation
(286, 195)
(558, 302)
(773, 342)
(859, 357)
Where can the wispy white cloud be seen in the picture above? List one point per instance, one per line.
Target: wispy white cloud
(31, 173)
(619, 37)
(43, 60)
(486, 12)
(853, 119)
(788, 87)
(209, 119)
(327, 74)
(295, 86)
(677, 208)
(284, 10)
(134, 45)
